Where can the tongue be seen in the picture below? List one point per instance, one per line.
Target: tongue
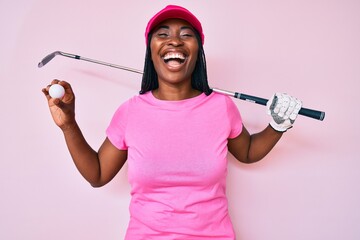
(173, 63)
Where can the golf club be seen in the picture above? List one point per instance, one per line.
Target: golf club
(319, 115)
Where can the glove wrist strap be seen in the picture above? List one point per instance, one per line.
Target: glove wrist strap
(277, 127)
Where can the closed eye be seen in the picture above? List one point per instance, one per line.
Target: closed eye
(187, 35)
(163, 34)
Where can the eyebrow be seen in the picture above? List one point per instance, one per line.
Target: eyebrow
(182, 28)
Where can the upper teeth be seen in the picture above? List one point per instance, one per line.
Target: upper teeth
(174, 55)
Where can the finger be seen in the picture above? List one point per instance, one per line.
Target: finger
(61, 105)
(55, 81)
(284, 106)
(294, 114)
(279, 103)
(291, 108)
(46, 92)
(292, 105)
(58, 103)
(270, 104)
(277, 100)
(67, 87)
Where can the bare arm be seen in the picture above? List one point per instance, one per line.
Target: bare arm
(98, 168)
(283, 109)
(251, 148)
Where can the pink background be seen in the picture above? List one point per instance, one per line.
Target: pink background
(306, 188)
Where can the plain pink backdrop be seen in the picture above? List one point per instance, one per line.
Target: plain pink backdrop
(306, 188)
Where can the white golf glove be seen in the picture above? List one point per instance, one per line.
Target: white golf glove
(284, 109)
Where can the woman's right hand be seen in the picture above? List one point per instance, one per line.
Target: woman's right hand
(62, 110)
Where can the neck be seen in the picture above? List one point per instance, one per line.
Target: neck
(173, 93)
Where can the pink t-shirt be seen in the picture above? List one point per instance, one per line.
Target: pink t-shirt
(177, 165)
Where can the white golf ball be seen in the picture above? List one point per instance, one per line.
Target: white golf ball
(56, 91)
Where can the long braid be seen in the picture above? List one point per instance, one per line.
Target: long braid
(149, 80)
(199, 79)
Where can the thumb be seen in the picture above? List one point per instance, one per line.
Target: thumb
(60, 104)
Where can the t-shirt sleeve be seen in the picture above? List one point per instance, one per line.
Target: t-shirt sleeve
(235, 119)
(117, 127)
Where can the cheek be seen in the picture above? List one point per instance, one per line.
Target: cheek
(195, 58)
(155, 48)
(152, 56)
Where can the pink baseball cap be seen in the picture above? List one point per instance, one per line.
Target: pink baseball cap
(173, 11)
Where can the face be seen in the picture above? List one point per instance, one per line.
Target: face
(174, 50)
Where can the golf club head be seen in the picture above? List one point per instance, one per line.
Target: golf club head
(48, 58)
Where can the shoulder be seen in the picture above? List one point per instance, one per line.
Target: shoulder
(222, 99)
(134, 100)
(124, 107)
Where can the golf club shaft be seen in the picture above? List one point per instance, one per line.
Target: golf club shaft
(319, 115)
(49, 57)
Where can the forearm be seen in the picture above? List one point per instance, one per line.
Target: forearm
(85, 158)
(261, 143)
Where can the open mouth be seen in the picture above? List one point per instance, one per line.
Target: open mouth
(174, 58)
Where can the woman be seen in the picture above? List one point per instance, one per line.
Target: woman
(175, 136)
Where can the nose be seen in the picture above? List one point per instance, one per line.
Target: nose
(175, 41)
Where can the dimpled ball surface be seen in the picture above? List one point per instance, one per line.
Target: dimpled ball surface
(56, 91)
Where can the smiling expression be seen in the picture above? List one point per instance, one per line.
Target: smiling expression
(174, 50)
